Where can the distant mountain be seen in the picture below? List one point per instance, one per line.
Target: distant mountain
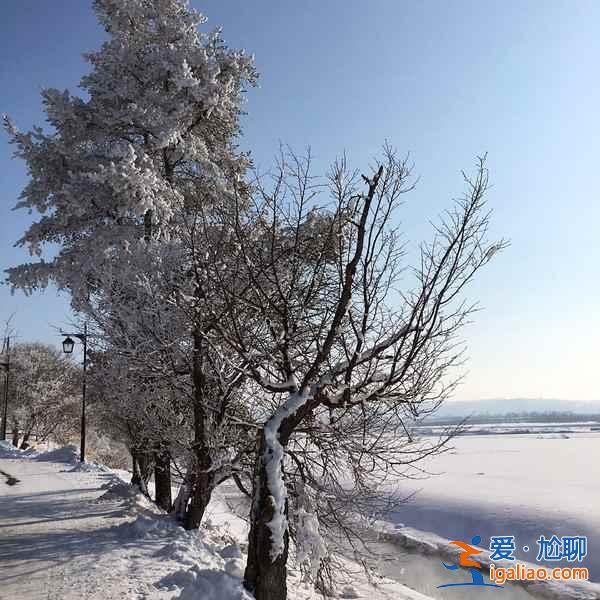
(502, 406)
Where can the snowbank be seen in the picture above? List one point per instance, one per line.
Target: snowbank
(70, 455)
(7, 450)
(67, 454)
(208, 584)
(210, 565)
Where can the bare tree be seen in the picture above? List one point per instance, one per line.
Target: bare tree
(311, 305)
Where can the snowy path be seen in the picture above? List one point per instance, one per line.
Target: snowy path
(56, 543)
(63, 536)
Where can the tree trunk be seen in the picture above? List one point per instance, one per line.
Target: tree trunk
(203, 477)
(200, 498)
(15, 437)
(142, 469)
(162, 480)
(181, 500)
(264, 577)
(25, 442)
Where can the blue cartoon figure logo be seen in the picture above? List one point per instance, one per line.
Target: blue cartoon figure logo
(466, 561)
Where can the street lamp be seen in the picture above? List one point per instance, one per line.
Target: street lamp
(5, 364)
(68, 345)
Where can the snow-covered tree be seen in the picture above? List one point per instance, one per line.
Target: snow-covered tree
(45, 392)
(116, 181)
(162, 105)
(312, 305)
(181, 396)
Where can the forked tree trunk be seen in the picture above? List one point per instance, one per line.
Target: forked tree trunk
(142, 469)
(264, 577)
(25, 441)
(181, 501)
(162, 480)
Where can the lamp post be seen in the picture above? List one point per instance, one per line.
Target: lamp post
(5, 364)
(68, 345)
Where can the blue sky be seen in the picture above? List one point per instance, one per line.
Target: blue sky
(444, 80)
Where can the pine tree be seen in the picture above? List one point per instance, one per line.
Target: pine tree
(117, 182)
(162, 107)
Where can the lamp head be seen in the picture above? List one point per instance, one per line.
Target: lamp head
(68, 345)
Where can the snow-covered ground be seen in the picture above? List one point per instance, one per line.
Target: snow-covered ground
(73, 533)
(69, 531)
(521, 485)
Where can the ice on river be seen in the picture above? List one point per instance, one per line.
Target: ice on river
(521, 485)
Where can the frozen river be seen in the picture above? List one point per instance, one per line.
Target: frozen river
(520, 485)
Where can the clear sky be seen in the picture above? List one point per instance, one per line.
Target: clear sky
(444, 80)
